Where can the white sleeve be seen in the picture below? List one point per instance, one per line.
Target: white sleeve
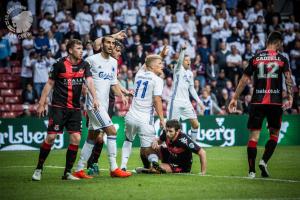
(158, 87)
(180, 61)
(194, 94)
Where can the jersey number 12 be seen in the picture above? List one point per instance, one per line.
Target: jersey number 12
(139, 83)
(271, 73)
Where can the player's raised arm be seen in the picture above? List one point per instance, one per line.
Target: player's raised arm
(180, 59)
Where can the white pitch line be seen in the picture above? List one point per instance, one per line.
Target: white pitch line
(182, 174)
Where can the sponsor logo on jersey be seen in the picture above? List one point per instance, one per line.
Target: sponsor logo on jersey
(106, 76)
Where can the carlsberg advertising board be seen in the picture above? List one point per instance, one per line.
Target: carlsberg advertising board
(28, 133)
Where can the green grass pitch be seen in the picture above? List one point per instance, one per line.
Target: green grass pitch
(227, 169)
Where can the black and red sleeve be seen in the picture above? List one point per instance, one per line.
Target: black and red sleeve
(88, 71)
(163, 136)
(54, 70)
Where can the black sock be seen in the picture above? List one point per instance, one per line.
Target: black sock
(44, 152)
(269, 148)
(94, 158)
(145, 161)
(252, 151)
(70, 157)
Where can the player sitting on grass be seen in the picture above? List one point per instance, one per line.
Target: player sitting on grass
(177, 157)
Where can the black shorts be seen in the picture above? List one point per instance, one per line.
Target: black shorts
(60, 118)
(258, 112)
(176, 165)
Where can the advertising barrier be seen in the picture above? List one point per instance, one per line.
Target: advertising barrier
(28, 133)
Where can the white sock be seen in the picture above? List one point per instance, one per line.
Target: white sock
(112, 151)
(85, 153)
(126, 151)
(153, 158)
(194, 133)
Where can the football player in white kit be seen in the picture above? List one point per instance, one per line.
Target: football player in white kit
(140, 117)
(179, 105)
(104, 71)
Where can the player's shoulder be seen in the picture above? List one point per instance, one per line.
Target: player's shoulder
(92, 57)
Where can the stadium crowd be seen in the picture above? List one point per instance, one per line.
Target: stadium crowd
(221, 37)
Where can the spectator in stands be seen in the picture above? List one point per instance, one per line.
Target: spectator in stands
(129, 81)
(210, 105)
(14, 45)
(145, 31)
(206, 20)
(46, 22)
(97, 31)
(204, 50)
(62, 52)
(173, 30)
(53, 43)
(212, 69)
(88, 51)
(199, 68)
(26, 71)
(41, 42)
(29, 95)
(216, 25)
(248, 54)
(234, 64)
(221, 81)
(104, 18)
(157, 19)
(28, 45)
(221, 55)
(138, 57)
(167, 90)
(40, 73)
(189, 26)
(190, 42)
(85, 20)
(197, 88)
(5, 52)
(72, 33)
(246, 104)
(49, 6)
(130, 16)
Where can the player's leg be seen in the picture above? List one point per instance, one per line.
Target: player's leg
(147, 136)
(256, 117)
(130, 132)
(55, 126)
(73, 126)
(188, 112)
(274, 123)
(92, 163)
(194, 129)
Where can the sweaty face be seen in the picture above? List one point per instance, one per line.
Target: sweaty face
(108, 45)
(77, 51)
(170, 133)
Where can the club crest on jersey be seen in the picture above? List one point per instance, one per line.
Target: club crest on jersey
(106, 76)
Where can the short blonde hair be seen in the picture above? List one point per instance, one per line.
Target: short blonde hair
(149, 59)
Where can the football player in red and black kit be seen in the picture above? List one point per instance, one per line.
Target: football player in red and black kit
(267, 68)
(177, 157)
(66, 79)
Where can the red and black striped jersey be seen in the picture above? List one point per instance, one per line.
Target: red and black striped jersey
(267, 68)
(69, 79)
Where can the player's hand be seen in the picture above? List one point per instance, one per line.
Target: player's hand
(162, 123)
(155, 145)
(124, 100)
(165, 51)
(288, 103)
(184, 46)
(96, 103)
(232, 105)
(41, 110)
(121, 35)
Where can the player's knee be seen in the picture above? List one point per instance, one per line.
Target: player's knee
(274, 131)
(99, 139)
(75, 138)
(50, 138)
(111, 130)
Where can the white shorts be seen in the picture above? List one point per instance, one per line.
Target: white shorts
(98, 119)
(180, 110)
(145, 131)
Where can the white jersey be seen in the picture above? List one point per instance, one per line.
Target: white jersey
(147, 85)
(183, 82)
(104, 73)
